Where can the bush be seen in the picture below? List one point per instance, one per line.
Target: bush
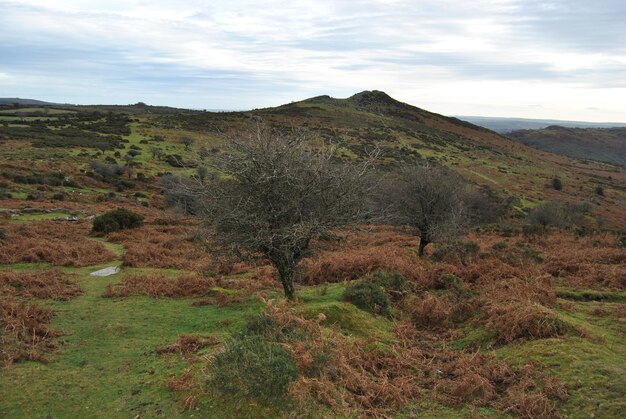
(115, 220)
(250, 366)
(430, 311)
(463, 252)
(58, 197)
(557, 184)
(368, 296)
(393, 282)
(523, 320)
(599, 190)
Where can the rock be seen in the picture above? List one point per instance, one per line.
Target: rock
(111, 270)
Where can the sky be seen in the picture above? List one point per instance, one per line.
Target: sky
(560, 59)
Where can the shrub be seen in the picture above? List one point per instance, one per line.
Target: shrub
(250, 366)
(599, 190)
(431, 311)
(393, 282)
(463, 252)
(519, 320)
(24, 332)
(499, 246)
(557, 184)
(115, 220)
(58, 197)
(368, 296)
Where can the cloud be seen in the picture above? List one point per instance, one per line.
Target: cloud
(242, 54)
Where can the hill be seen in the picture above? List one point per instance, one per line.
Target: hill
(506, 125)
(24, 102)
(357, 124)
(601, 144)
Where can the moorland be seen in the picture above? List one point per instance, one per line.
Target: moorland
(516, 317)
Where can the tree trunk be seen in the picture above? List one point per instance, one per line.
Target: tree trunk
(423, 244)
(286, 278)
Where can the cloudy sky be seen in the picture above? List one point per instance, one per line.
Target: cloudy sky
(563, 59)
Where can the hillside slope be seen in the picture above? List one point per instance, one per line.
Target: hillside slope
(601, 144)
(66, 139)
(505, 125)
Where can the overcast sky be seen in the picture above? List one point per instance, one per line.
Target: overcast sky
(563, 59)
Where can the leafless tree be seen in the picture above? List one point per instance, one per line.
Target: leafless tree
(276, 194)
(427, 198)
(187, 142)
(157, 153)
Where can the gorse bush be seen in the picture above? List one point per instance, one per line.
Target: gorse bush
(393, 282)
(115, 220)
(251, 366)
(368, 296)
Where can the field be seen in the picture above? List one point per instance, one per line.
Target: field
(506, 322)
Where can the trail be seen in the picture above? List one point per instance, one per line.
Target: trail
(106, 365)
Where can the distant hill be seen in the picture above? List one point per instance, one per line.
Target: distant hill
(357, 125)
(601, 144)
(25, 102)
(506, 125)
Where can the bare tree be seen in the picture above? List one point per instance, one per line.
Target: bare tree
(187, 142)
(277, 195)
(428, 198)
(157, 152)
(557, 214)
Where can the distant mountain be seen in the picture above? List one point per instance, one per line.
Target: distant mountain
(505, 125)
(601, 144)
(27, 102)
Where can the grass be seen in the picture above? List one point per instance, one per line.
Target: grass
(106, 365)
(591, 295)
(593, 369)
(43, 216)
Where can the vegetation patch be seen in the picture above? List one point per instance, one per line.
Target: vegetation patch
(368, 296)
(58, 243)
(512, 321)
(39, 284)
(24, 332)
(118, 219)
(188, 345)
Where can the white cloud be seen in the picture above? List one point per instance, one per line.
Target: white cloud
(491, 56)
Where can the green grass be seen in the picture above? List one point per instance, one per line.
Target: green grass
(106, 365)
(42, 216)
(591, 295)
(593, 368)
